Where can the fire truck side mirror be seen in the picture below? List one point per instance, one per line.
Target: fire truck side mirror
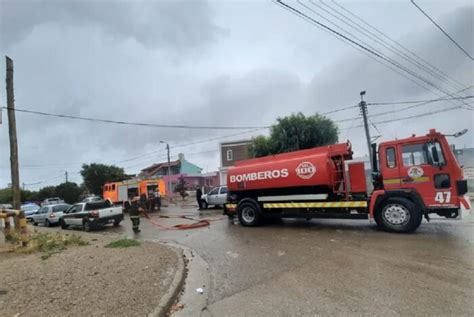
(434, 154)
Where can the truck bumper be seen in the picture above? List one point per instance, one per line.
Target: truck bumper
(465, 209)
(230, 209)
(106, 220)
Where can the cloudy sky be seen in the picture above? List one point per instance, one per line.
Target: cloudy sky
(217, 63)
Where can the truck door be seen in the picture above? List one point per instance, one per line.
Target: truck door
(222, 197)
(212, 196)
(419, 169)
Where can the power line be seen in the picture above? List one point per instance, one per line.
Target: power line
(417, 101)
(377, 39)
(338, 110)
(419, 61)
(441, 29)
(151, 125)
(365, 47)
(371, 47)
(419, 104)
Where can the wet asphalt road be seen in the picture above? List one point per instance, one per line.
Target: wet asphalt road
(329, 267)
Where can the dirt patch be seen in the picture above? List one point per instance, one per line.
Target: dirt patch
(87, 280)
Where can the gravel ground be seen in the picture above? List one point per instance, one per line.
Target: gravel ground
(87, 281)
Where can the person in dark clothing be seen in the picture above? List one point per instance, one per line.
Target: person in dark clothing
(198, 197)
(135, 210)
(143, 201)
(151, 201)
(158, 200)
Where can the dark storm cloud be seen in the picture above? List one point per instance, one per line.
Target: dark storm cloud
(131, 61)
(176, 24)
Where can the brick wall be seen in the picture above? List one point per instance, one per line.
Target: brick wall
(232, 152)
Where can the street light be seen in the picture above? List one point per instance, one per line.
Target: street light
(169, 169)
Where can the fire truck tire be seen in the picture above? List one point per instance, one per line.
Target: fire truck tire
(397, 214)
(249, 213)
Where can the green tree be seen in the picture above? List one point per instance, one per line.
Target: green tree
(96, 175)
(46, 192)
(296, 132)
(181, 187)
(6, 195)
(69, 191)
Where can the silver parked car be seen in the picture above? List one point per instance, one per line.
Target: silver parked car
(217, 197)
(29, 210)
(92, 199)
(52, 201)
(49, 215)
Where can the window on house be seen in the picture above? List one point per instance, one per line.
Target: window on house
(230, 155)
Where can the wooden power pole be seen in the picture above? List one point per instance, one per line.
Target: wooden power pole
(12, 133)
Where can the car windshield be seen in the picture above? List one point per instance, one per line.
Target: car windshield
(59, 208)
(29, 207)
(97, 205)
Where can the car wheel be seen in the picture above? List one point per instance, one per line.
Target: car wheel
(117, 223)
(204, 205)
(86, 226)
(63, 224)
(249, 213)
(34, 222)
(47, 223)
(397, 214)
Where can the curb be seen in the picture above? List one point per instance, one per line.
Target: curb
(175, 288)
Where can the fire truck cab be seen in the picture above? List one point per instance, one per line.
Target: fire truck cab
(420, 172)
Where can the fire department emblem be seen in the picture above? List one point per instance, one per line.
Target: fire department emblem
(415, 172)
(305, 170)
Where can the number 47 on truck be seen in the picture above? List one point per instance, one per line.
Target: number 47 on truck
(411, 177)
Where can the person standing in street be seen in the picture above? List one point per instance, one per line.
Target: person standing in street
(151, 200)
(158, 199)
(135, 210)
(198, 197)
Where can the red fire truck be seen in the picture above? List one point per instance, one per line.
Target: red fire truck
(411, 178)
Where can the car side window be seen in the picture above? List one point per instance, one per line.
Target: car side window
(224, 190)
(391, 160)
(214, 191)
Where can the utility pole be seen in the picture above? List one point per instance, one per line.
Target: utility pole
(12, 133)
(65, 174)
(169, 169)
(363, 111)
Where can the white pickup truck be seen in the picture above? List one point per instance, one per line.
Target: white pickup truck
(90, 215)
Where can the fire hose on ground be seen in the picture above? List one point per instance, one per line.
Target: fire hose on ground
(196, 224)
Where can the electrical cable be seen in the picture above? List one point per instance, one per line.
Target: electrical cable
(338, 34)
(419, 61)
(151, 125)
(442, 30)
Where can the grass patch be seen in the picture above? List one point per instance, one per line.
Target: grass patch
(50, 243)
(123, 243)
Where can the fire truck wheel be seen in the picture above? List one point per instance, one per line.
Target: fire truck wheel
(249, 213)
(399, 214)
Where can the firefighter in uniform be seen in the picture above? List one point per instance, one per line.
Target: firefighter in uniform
(135, 210)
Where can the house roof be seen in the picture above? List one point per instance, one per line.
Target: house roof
(157, 166)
